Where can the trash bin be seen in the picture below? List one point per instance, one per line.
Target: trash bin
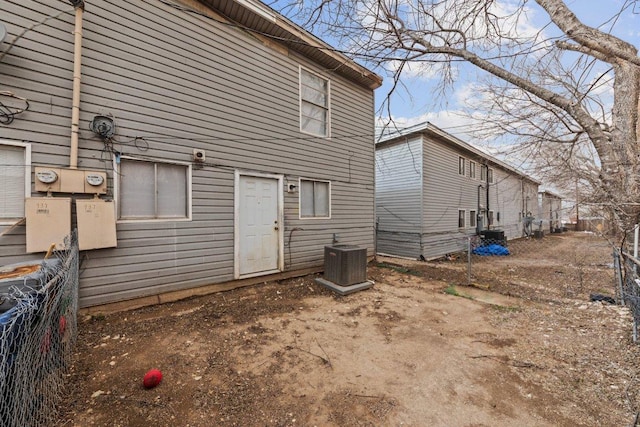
(493, 236)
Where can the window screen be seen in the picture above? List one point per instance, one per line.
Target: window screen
(314, 107)
(315, 199)
(461, 168)
(151, 190)
(13, 173)
(461, 218)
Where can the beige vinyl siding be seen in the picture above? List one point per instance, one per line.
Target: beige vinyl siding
(183, 81)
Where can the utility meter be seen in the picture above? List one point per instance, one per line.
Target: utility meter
(94, 179)
(46, 176)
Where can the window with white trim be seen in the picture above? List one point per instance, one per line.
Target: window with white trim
(472, 219)
(461, 168)
(462, 216)
(153, 190)
(490, 218)
(472, 170)
(15, 180)
(315, 199)
(314, 104)
(490, 176)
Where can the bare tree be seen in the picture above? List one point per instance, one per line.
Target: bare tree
(551, 98)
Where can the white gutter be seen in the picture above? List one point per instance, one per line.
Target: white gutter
(77, 72)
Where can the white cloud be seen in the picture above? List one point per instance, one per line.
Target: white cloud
(454, 122)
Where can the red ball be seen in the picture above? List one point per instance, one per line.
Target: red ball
(152, 378)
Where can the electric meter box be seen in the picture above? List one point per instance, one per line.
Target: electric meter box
(60, 180)
(95, 182)
(47, 179)
(96, 224)
(71, 181)
(48, 222)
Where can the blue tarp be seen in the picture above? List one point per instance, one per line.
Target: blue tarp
(491, 250)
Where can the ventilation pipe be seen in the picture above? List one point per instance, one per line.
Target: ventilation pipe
(77, 72)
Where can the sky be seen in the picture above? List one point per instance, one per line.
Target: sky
(445, 112)
(417, 103)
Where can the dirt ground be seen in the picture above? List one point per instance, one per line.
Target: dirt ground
(525, 346)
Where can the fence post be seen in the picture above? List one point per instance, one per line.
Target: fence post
(617, 267)
(468, 261)
(636, 231)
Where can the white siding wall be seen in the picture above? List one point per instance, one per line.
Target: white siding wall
(399, 197)
(506, 195)
(183, 81)
(550, 212)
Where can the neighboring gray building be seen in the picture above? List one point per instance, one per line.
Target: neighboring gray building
(434, 190)
(550, 211)
(235, 144)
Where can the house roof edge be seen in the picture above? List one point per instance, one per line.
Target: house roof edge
(430, 128)
(256, 16)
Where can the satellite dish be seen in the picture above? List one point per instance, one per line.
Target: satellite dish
(3, 32)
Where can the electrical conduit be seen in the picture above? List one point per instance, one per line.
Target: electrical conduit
(77, 73)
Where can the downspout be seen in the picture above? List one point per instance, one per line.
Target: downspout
(77, 73)
(478, 225)
(487, 207)
(522, 195)
(422, 190)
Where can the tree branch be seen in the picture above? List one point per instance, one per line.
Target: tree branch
(591, 38)
(583, 49)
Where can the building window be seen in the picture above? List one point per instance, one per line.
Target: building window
(472, 218)
(483, 173)
(490, 218)
(461, 218)
(314, 104)
(153, 190)
(472, 170)
(461, 168)
(15, 180)
(315, 199)
(490, 175)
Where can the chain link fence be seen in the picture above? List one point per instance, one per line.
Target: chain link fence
(627, 266)
(566, 264)
(554, 268)
(38, 329)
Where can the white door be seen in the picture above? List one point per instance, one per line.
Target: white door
(258, 228)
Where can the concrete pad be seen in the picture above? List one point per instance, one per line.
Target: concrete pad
(344, 290)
